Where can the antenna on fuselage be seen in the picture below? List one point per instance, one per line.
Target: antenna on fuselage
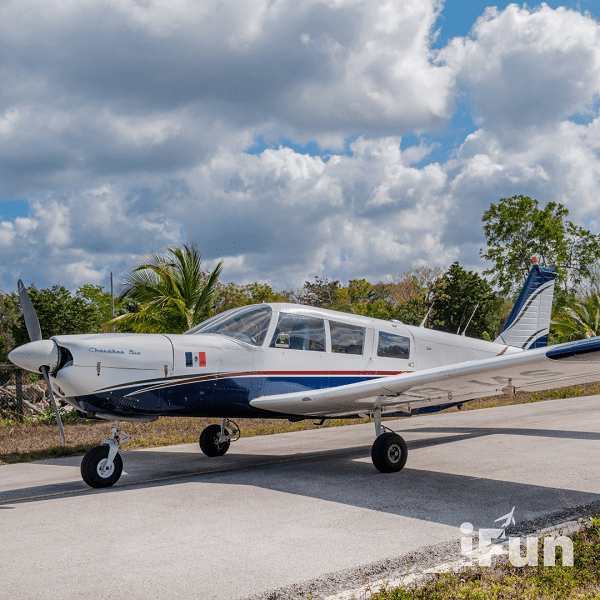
(422, 325)
(465, 329)
(461, 320)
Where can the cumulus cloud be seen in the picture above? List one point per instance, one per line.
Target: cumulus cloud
(529, 72)
(127, 124)
(528, 69)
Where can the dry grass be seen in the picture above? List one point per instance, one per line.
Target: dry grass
(573, 391)
(29, 441)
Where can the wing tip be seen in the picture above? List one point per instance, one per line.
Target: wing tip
(575, 350)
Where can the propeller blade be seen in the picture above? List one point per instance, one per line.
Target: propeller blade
(31, 320)
(44, 370)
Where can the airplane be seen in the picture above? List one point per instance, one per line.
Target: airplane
(509, 518)
(280, 360)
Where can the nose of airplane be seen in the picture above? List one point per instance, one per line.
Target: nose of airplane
(34, 355)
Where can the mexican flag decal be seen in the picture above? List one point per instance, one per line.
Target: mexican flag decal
(197, 359)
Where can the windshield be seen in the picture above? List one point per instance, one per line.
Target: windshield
(247, 324)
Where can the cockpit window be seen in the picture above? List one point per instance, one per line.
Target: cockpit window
(299, 332)
(216, 319)
(247, 324)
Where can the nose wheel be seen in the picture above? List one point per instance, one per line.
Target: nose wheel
(96, 470)
(102, 466)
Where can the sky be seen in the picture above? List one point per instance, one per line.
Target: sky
(290, 139)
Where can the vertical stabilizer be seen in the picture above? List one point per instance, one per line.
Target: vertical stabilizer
(528, 324)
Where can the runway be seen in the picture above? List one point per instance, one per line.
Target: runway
(283, 509)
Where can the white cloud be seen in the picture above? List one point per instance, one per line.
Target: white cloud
(7, 234)
(53, 221)
(316, 68)
(81, 273)
(125, 125)
(528, 69)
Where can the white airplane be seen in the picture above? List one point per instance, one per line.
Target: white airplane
(297, 362)
(509, 518)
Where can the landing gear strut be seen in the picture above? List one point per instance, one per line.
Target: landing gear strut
(216, 439)
(102, 466)
(389, 451)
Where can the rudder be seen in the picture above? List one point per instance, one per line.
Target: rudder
(528, 324)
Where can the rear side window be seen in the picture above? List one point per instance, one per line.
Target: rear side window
(346, 339)
(298, 332)
(393, 346)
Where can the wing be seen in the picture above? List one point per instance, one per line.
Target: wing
(434, 389)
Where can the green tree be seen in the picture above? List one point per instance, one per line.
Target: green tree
(406, 298)
(457, 294)
(59, 313)
(3, 351)
(356, 297)
(10, 311)
(232, 295)
(578, 320)
(172, 291)
(414, 284)
(321, 293)
(517, 230)
(99, 299)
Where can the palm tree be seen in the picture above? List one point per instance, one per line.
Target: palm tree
(173, 292)
(578, 321)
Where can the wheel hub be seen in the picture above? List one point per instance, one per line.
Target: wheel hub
(103, 470)
(394, 453)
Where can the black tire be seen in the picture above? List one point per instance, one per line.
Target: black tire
(389, 453)
(209, 441)
(94, 459)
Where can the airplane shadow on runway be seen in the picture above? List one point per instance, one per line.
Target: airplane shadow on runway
(348, 477)
(471, 432)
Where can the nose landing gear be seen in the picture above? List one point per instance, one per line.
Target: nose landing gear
(102, 466)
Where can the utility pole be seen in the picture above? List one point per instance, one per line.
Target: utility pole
(112, 302)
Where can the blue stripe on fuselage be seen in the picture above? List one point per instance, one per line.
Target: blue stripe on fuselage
(221, 396)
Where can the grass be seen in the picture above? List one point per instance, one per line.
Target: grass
(505, 582)
(573, 391)
(28, 440)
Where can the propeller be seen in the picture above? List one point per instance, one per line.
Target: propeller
(35, 335)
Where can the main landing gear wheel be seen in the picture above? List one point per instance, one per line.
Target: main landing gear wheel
(389, 452)
(94, 468)
(209, 441)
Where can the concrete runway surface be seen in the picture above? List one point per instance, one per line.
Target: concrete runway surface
(283, 509)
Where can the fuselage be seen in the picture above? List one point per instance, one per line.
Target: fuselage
(217, 368)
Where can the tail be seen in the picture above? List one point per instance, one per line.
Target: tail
(528, 324)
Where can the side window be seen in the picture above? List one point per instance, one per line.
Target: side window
(393, 346)
(346, 339)
(298, 332)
